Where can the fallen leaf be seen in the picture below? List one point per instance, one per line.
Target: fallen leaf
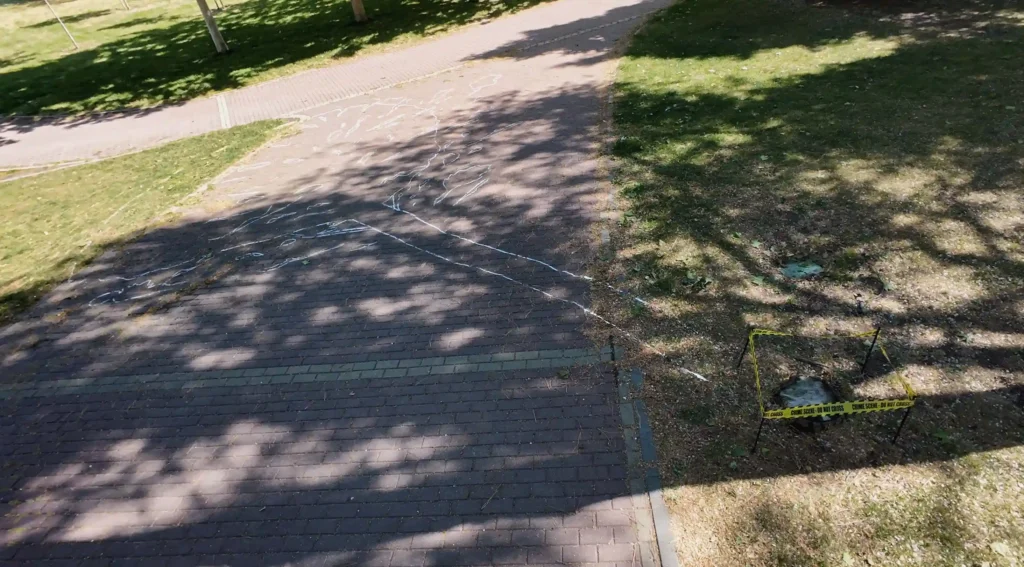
(1001, 548)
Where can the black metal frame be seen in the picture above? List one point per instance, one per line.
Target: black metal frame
(863, 370)
(871, 350)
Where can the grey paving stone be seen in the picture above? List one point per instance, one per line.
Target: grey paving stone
(376, 404)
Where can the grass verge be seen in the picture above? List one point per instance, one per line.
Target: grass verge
(160, 52)
(57, 222)
(886, 147)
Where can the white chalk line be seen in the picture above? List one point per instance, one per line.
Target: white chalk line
(520, 256)
(393, 201)
(550, 296)
(331, 230)
(313, 255)
(392, 106)
(410, 177)
(147, 283)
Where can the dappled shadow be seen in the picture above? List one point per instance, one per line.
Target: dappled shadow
(583, 36)
(72, 19)
(20, 125)
(177, 62)
(531, 215)
(317, 273)
(439, 469)
(134, 22)
(13, 60)
(896, 168)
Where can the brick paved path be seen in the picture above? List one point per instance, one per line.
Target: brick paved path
(29, 142)
(364, 346)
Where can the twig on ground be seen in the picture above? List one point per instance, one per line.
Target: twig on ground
(496, 489)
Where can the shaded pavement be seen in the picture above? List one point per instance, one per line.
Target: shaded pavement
(364, 346)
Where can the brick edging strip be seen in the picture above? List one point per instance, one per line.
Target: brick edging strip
(380, 369)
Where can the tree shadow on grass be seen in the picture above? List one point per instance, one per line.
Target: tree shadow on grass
(72, 19)
(134, 22)
(176, 63)
(13, 60)
(896, 170)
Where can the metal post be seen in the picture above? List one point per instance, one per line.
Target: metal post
(757, 439)
(211, 25)
(903, 422)
(746, 345)
(61, 22)
(871, 350)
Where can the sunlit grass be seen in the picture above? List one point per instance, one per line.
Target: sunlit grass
(53, 224)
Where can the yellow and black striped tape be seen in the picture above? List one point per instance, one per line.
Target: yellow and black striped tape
(838, 408)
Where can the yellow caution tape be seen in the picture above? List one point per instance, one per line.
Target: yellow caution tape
(899, 377)
(838, 408)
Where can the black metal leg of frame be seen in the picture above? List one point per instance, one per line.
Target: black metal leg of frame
(902, 423)
(757, 439)
(871, 350)
(746, 345)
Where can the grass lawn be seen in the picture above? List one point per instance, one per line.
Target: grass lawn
(54, 223)
(887, 147)
(160, 52)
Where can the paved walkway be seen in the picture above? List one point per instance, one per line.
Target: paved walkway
(365, 346)
(28, 142)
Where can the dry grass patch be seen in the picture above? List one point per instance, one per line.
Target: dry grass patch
(886, 147)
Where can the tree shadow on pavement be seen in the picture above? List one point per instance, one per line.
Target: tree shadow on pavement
(417, 469)
(463, 467)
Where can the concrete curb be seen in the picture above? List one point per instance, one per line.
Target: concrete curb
(662, 525)
(642, 460)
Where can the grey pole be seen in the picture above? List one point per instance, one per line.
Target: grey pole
(61, 22)
(211, 24)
